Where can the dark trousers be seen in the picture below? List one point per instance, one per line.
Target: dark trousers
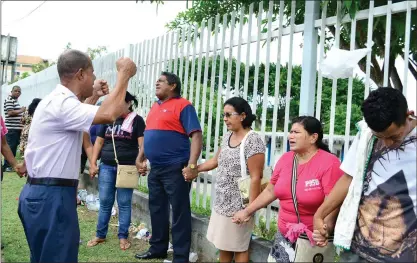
(167, 186)
(13, 140)
(50, 221)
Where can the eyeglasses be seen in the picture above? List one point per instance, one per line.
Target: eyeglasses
(228, 114)
(162, 81)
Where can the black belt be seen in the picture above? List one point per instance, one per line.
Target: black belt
(52, 181)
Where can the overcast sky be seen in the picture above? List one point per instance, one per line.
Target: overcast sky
(46, 31)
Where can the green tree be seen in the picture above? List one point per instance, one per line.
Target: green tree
(205, 9)
(96, 52)
(22, 76)
(42, 65)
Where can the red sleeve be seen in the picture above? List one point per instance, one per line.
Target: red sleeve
(278, 168)
(331, 176)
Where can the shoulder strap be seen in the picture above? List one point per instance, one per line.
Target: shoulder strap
(114, 145)
(294, 185)
(242, 155)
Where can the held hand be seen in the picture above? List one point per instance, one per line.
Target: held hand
(126, 66)
(320, 230)
(93, 170)
(100, 87)
(21, 170)
(23, 109)
(189, 174)
(241, 217)
(142, 167)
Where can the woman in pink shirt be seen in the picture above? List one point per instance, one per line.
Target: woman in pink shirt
(316, 174)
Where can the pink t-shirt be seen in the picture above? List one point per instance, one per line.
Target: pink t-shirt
(316, 179)
(3, 128)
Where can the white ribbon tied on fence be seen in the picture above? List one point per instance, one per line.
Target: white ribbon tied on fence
(339, 63)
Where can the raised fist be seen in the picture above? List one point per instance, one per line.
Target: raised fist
(126, 66)
(100, 87)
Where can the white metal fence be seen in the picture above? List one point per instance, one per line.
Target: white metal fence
(214, 67)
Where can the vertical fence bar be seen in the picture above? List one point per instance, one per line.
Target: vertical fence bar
(368, 44)
(155, 73)
(187, 62)
(387, 44)
(150, 75)
(289, 78)
(245, 84)
(200, 61)
(320, 77)
(181, 70)
(266, 78)
(176, 46)
(203, 108)
(161, 55)
(165, 58)
(350, 89)
(230, 59)
(146, 76)
(334, 84)
(407, 46)
(277, 81)
(220, 85)
(239, 51)
(258, 50)
(210, 116)
(171, 53)
(197, 97)
(191, 97)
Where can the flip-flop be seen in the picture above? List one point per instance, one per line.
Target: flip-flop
(124, 244)
(94, 242)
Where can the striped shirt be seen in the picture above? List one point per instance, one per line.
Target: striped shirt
(12, 122)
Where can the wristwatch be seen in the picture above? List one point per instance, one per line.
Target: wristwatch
(192, 166)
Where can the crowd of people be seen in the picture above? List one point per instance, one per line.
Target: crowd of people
(365, 205)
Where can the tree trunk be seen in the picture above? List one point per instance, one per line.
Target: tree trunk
(412, 69)
(395, 78)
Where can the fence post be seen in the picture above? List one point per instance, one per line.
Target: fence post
(309, 66)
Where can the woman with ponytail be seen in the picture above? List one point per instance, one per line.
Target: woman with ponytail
(313, 171)
(233, 240)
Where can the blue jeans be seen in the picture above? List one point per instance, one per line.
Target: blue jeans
(107, 190)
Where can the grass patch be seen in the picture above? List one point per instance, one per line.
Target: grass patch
(262, 231)
(17, 250)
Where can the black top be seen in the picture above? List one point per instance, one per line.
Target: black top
(127, 146)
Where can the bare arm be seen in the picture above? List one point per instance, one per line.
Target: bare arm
(209, 164)
(112, 106)
(88, 146)
(255, 165)
(264, 199)
(98, 145)
(336, 197)
(196, 145)
(7, 152)
(13, 113)
(92, 100)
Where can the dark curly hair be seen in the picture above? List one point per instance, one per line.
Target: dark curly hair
(383, 107)
(131, 98)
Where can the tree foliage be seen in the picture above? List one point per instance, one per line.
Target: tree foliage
(202, 10)
(341, 95)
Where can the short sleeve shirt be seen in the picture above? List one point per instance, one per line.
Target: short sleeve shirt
(55, 137)
(228, 200)
(126, 143)
(315, 180)
(386, 226)
(169, 126)
(13, 122)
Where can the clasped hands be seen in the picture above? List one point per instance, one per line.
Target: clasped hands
(20, 169)
(189, 174)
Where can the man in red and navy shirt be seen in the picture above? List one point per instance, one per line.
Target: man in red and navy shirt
(170, 124)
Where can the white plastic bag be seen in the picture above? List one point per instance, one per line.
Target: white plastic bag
(339, 63)
(82, 193)
(93, 202)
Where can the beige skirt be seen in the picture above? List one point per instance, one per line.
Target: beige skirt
(228, 236)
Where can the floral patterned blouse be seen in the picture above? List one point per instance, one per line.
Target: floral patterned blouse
(26, 121)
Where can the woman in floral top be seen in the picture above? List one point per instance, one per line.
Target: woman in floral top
(26, 121)
(231, 239)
